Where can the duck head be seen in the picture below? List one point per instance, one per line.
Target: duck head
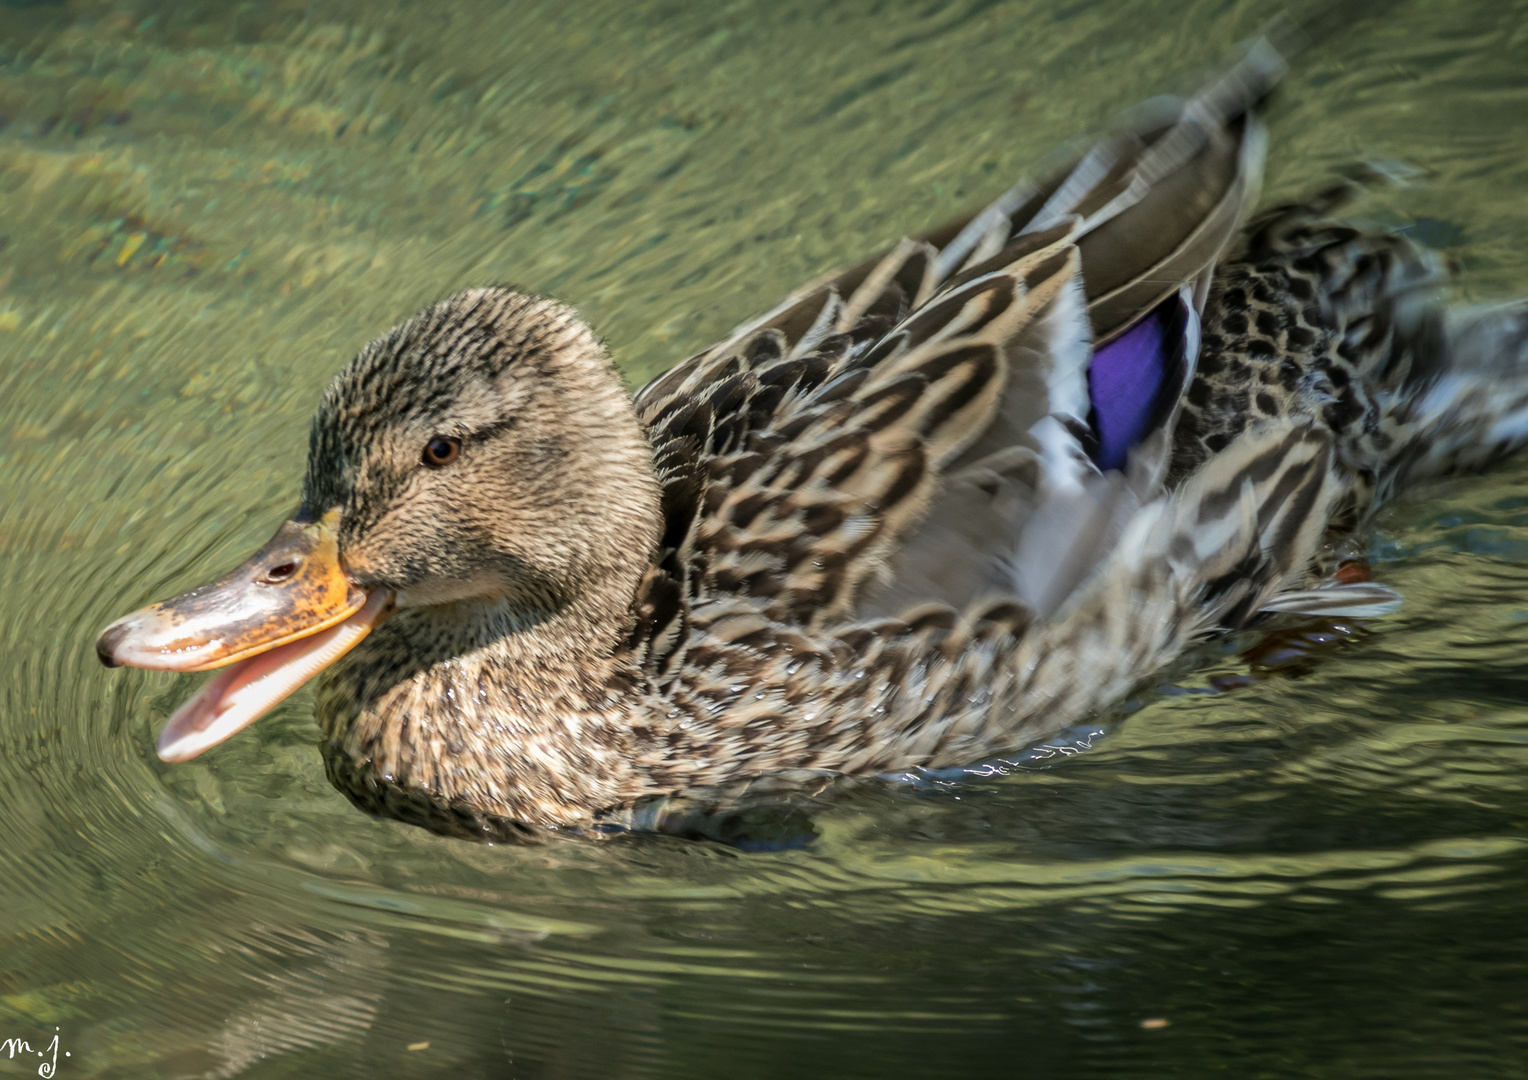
(478, 466)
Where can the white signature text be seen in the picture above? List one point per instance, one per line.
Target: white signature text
(11, 1047)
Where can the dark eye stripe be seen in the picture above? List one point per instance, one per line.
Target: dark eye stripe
(440, 451)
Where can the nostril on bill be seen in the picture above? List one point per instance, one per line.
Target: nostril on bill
(277, 574)
(106, 644)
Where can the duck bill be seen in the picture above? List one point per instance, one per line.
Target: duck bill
(273, 624)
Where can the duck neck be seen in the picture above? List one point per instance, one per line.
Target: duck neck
(477, 710)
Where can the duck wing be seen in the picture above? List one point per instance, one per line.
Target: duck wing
(950, 410)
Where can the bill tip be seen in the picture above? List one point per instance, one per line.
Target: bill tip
(108, 642)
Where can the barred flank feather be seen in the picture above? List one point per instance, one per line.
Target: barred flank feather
(1210, 555)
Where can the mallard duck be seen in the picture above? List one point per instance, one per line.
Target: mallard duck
(922, 513)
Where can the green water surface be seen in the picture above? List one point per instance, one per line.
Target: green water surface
(207, 206)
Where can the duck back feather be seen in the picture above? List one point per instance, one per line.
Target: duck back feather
(922, 428)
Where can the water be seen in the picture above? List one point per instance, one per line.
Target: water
(206, 207)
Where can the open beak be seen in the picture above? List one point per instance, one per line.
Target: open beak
(274, 623)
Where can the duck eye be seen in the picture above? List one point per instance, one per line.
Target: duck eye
(441, 450)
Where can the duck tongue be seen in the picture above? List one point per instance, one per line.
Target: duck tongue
(274, 623)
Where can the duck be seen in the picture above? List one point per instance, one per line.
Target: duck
(925, 511)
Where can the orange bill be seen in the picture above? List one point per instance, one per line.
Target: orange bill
(274, 623)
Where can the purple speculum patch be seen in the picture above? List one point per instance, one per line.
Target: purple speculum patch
(1127, 376)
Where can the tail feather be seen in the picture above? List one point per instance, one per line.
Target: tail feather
(1488, 337)
(1360, 600)
(1473, 414)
